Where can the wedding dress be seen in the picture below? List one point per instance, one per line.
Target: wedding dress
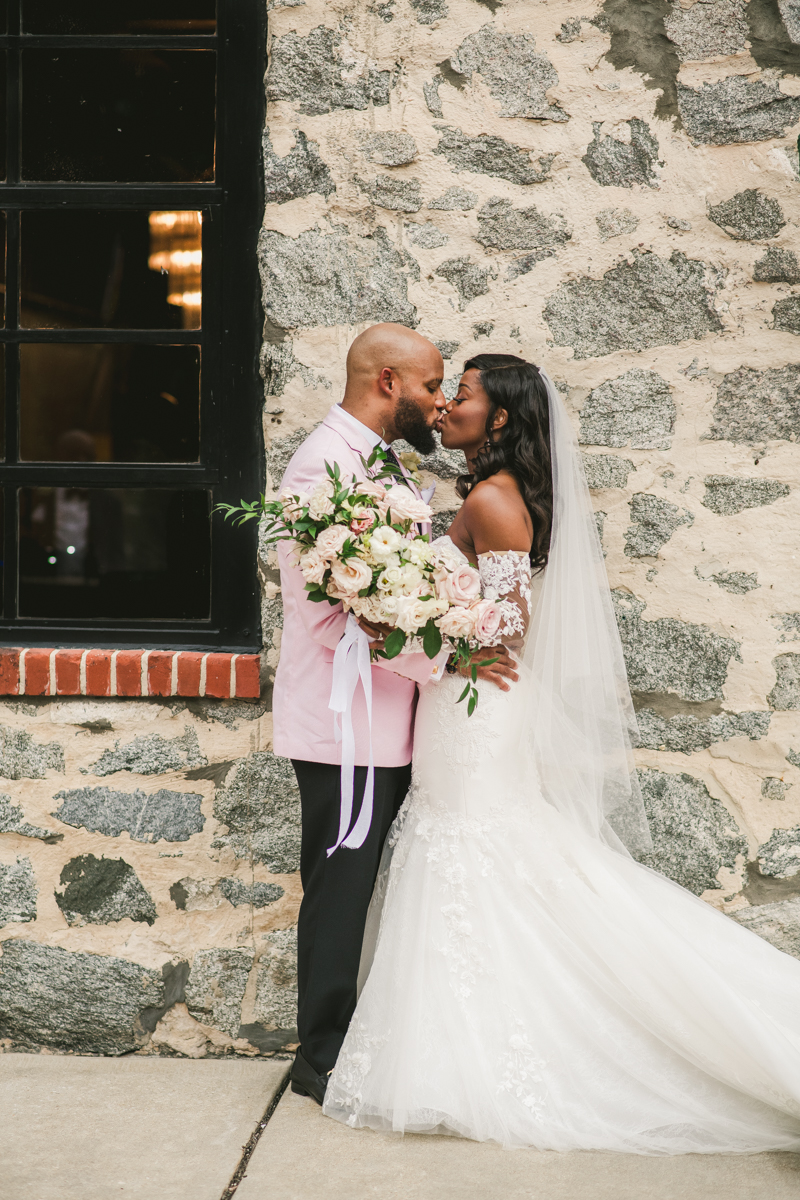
(524, 979)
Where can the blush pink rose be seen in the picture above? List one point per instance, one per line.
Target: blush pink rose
(350, 577)
(313, 566)
(487, 616)
(362, 521)
(331, 540)
(457, 623)
(405, 506)
(461, 586)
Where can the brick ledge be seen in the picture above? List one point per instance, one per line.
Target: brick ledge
(53, 672)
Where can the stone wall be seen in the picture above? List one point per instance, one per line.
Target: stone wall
(612, 190)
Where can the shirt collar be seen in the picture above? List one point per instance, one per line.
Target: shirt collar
(359, 427)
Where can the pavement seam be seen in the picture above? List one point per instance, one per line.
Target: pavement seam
(247, 1150)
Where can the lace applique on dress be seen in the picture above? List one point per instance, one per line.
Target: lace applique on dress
(506, 578)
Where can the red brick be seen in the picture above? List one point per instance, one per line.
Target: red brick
(37, 672)
(189, 672)
(9, 672)
(218, 675)
(159, 672)
(98, 673)
(68, 672)
(248, 676)
(129, 673)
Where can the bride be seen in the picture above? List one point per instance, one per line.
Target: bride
(523, 978)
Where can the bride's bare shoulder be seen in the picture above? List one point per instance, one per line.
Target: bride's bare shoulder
(496, 515)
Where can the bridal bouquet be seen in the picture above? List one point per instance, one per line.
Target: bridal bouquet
(357, 546)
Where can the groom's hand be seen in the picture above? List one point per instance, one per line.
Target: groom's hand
(498, 673)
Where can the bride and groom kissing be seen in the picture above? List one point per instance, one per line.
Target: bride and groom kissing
(491, 961)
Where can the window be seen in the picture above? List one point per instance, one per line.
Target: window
(129, 400)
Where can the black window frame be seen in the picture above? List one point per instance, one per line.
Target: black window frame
(232, 463)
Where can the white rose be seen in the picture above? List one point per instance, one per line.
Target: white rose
(389, 579)
(417, 552)
(384, 541)
(457, 623)
(405, 506)
(410, 614)
(410, 579)
(446, 555)
(320, 503)
(331, 540)
(410, 460)
(313, 566)
(350, 577)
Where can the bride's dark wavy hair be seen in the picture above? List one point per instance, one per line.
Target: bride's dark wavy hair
(522, 445)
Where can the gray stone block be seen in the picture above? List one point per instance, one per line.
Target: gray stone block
(785, 696)
(97, 891)
(516, 74)
(23, 758)
(433, 101)
(774, 788)
(521, 266)
(389, 191)
(748, 216)
(709, 29)
(455, 199)
(18, 893)
(468, 279)
(651, 301)
(777, 923)
(684, 733)
(390, 149)
(615, 163)
(793, 756)
(280, 452)
(737, 582)
(736, 110)
(570, 31)
(613, 222)
(429, 11)
(12, 820)
(487, 154)
(789, 623)
(276, 981)
(790, 12)
(442, 521)
(278, 366)
(428, 235)
(694, 836)
(312, 72)
(332, 279)
(727, 495)
(502, 227)
(606, 470)
(446, 464)
(261, 808)
(653, 522)
(754, 406)
(147, 817)
(271, 620)
(237, 892)
(786, 314)
(668, 655)
(777, 266)
(88, 1003)
(298, 173)
(216, 986)
(152, 755)
(780, 855)
(447, 349)
(634, 409)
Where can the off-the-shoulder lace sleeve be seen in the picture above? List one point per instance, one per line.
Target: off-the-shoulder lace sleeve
(506, 578)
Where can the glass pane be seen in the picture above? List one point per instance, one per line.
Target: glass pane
(3, 105)
(118, 115)
(135, 16)
(2, 266)
(2, 402)
(133, 553)
(126, 270)
(109, 403)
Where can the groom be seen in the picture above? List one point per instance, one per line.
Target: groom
(393, 390)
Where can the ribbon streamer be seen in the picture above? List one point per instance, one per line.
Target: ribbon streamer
(351, 662)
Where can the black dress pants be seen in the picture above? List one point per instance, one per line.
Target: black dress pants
(336, 896)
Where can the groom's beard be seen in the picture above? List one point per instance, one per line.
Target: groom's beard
(411, 423)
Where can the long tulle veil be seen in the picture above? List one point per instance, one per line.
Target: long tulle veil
(580, 721)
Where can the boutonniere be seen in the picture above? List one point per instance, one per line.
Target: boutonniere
(411, 460)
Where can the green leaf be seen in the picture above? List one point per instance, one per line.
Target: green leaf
(474, 673)
(473, 701)
(432, 639)
(329, 469)
(463, 695)
(394, 643)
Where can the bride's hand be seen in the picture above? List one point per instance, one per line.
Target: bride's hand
(498, 672)
(376, 632)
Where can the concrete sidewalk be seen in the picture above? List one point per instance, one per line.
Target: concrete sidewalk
(75, 1128)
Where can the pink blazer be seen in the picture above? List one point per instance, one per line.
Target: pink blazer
(303, 723)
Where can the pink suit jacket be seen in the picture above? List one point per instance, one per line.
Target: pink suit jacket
(303, 723)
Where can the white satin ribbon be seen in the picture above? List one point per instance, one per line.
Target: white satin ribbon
(351, 662)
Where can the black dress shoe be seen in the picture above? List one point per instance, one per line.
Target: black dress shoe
(306, 1081)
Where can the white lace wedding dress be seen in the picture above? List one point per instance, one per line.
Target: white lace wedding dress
(527, 984)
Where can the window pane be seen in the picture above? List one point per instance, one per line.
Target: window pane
(126, 270)
(118, 115)
(3, 104)
(129, 553)
(135, 16)
(109, 403)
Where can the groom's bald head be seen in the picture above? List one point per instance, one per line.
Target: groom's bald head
(394, 379)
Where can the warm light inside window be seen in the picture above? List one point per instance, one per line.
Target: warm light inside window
(176, 249)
